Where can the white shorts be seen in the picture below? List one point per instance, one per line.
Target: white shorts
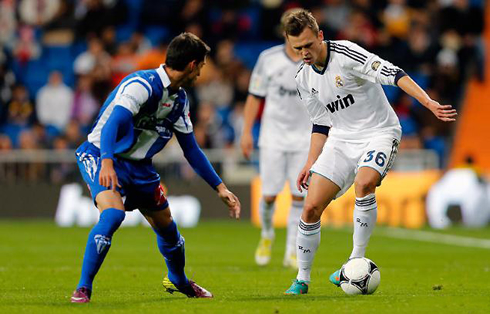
(278, 166)
(340, 160)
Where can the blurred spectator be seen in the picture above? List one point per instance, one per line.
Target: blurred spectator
(25, 47)
(73, 134)
(141, 44)
(108, 39)
(123, 63)
(154, 57)
(5, 143)
(96, 15)
(396, 18)
(336, 14)
(20, 113)
(60, 30)
(54, 104)
(96, 64)
(8, 23)
(360, 30)
(466, 22)
(85, 106)
(38, 12)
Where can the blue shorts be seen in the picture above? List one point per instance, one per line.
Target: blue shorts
(139, 181)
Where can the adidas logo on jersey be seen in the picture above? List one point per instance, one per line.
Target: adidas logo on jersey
(314, 92)
(340, 102)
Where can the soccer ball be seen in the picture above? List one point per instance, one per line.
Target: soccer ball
(359, 275)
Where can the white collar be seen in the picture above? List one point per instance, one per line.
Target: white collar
(163, 76)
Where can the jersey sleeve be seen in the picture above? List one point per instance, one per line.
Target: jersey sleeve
(317, 112)
(367, 65)
(258, 80)
(133, 94)
(184, 124)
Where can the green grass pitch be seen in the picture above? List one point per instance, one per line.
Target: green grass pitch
(40, 265)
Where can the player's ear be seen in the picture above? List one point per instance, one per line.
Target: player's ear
(320, 35)
(192, 65)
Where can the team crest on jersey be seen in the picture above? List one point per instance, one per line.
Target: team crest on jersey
(375, 65)
(338, 81)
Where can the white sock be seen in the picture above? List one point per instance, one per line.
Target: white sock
(293, 222)
(307, 244)
(365, 214)
(266, 213)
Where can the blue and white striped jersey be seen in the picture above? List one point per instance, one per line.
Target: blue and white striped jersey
(156, 114)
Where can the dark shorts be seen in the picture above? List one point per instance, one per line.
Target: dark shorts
(139, 181)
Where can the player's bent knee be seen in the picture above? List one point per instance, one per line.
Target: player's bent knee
(298, 198)
(364, 187)
(269, 199)
(109, 199)
(312, 213)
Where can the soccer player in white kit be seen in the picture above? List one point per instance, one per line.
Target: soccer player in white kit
(340, 85)
(283, 141)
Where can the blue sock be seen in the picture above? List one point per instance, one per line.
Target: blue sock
(99, 241)
(171, 245)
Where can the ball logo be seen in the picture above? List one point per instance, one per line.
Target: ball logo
(338, 81)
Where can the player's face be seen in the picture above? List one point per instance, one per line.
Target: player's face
(195, 71)
(308, 45)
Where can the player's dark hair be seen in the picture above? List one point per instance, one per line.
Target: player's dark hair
(295, 22)
(184, 49)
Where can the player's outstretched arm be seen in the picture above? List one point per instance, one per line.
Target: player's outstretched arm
(445, 113)
(252, 106)
(317, 142)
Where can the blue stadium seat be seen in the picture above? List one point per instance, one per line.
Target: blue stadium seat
(249, 52)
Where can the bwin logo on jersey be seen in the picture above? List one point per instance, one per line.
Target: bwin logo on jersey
(284, 91)
(342, 102)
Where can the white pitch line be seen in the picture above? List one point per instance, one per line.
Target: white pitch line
(433, 237)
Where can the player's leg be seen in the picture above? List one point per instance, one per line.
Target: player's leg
(99, 240)
(290, 257)
(272, 175)
(171, 246)
(112, 214)
(375, 162)
(267, 234)
(365, 209)
(373, 166)
(320, 193)
(295, 162)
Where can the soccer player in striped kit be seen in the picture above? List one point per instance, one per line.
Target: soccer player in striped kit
(136, 121)
(340, 85)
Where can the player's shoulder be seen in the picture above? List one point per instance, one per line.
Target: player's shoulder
(272, 55)
(347, 51)
(272, 51)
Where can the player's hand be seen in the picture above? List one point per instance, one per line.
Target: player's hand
(107, 175)
(247, 145)
(303, 176)
(230, 200)
(445, 113)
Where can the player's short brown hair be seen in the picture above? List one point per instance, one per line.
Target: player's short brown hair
(297, 20)
(184, 49)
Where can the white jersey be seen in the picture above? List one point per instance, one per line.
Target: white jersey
(347, 95)
(285, 123)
